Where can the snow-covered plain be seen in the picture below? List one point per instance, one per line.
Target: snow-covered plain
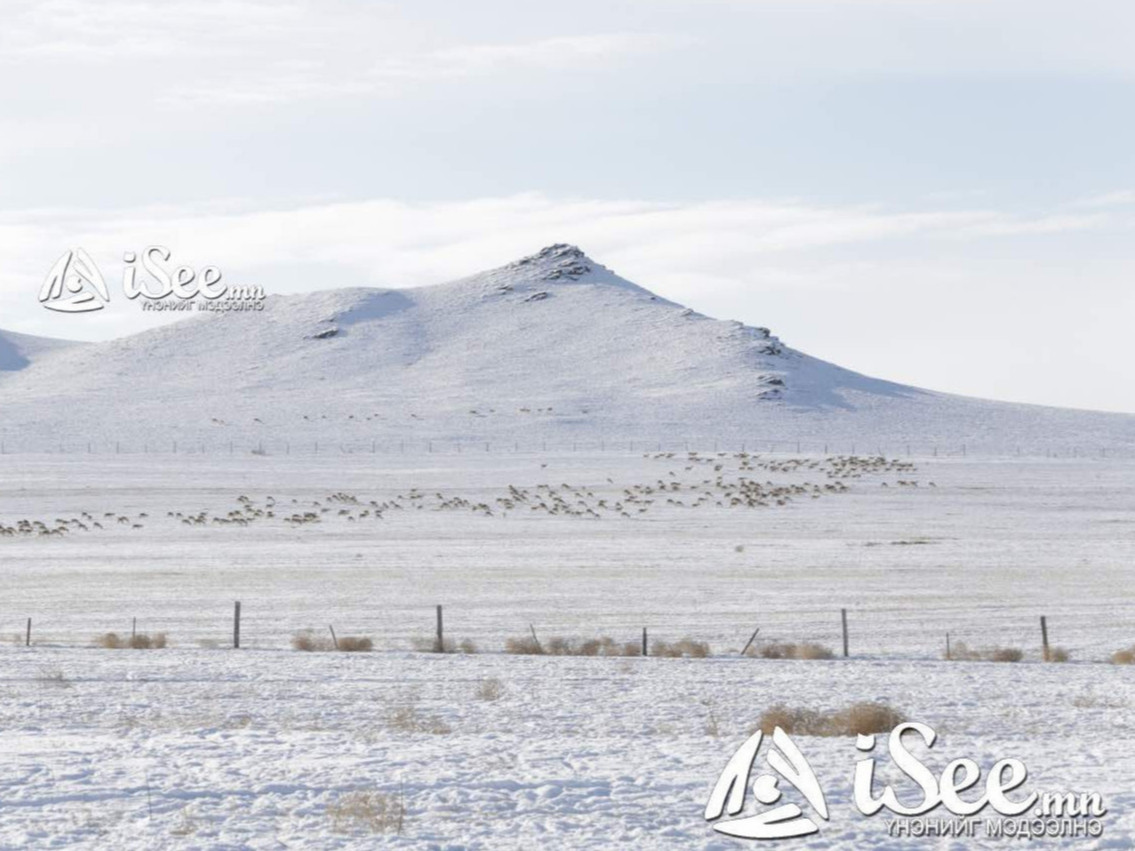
(227, 749)
(204, 746)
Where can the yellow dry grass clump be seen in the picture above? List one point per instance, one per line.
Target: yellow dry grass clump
(139, 641)
(1124, 657)
(854, 720)
(308, 642)
(791, 650)
(372, 812)
(961, 652)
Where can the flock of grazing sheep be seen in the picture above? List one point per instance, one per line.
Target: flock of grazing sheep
(693, 480)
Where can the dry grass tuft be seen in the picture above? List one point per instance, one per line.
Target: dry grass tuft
(140, 641)
(791, 650)
(961, 652)
(678, 649)
(1059, 654)
(1123, 657)
(607, 646)
(308, 642)
(1006, 654)
(489, 689)
(1094, 701)
(372, 812)
(355, 644)
(854, 720)
(525, 646)
(188, 825)
(410, 719)
(560, 646)
(467, 646)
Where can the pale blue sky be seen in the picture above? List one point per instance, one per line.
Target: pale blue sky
(936, 191)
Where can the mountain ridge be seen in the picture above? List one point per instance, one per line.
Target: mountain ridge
(551, 346)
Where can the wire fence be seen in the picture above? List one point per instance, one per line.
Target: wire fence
(315, 447)
(990, 633)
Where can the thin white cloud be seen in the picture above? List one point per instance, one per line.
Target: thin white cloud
(393, 243)
(287, 80)
(76, 31)
(558, 52)
(1121, 198)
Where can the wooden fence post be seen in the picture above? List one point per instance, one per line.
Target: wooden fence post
(236, 625)
(749, 643)
(1044, 636)
(843, 618)
(28, 636)
(539, 647)
(440, 632)
(644, 650)
(334, 639)
(947, 647)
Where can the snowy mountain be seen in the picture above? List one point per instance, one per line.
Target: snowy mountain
(552, 347)
(18, 351)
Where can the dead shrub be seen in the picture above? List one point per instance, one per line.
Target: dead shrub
(308, 642)
(489, 689)
(409, 719)
(1123, 657)
(961, 652)
(188, 825)
(355, 644)
(857, 719)
(813, 651)
(1006, 654)
(865, 719)
(792, 650)
(560, 646)
(1059, 654)
(373, 812)
(607, 646)
(524, 646)
(687, 647)
(138, 641)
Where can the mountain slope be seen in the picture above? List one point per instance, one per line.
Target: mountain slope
(18, 351)
(551, 347)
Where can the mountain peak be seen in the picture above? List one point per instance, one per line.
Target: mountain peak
(556, 262)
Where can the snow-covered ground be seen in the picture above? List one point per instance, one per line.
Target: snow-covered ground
(255, 749)
(203, 746)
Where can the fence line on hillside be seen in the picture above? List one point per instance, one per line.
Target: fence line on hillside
(755, 446)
